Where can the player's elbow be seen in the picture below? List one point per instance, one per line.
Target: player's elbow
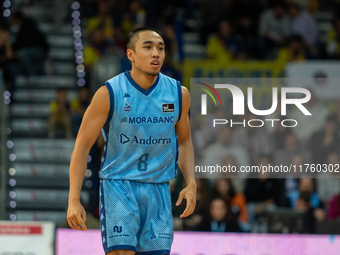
(82, 144)
(183, 140)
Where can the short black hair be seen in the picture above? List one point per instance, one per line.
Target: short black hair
(133, 36)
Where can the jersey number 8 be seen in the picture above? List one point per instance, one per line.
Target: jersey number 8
(142, 164)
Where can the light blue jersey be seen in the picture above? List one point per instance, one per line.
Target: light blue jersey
(140, 137)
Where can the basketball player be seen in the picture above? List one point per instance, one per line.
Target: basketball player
(144, 119)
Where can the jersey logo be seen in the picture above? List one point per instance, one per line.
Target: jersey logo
(127, 107)
(124, 119)
(126, 95)
(168, 107)
(124, 138)
(143, 141)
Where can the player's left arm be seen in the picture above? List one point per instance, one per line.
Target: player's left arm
(186, 156)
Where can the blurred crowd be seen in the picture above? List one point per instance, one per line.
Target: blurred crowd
(284, 30)
(251, 198)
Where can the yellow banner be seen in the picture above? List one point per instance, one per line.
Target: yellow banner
(235, 69)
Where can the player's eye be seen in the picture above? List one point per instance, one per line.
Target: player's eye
(161, 48)
(148, 47)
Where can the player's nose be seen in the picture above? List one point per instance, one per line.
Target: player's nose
(155, 53)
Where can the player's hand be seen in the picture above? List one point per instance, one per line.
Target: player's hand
(188, 193)
(76, 216)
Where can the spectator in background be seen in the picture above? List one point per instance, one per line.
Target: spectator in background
(133, 18)
(171, 53)
(310, 5)
(291, 180)
(88, 8)
(223, 147)
(225, 46)
(220, 219)
(306, 184)
(304, 24)
(212, 13)
(325, 141)
(78, 107)
(247, 13)
(274, 29)
(236, 178)
(328, 180)
(97, 48)
(333, 212)
(170, 40)
(296, 50)
(253, 139)
(30, 45)
(307, 125)
(291, 148)
(6, 55)
(279, 133)
(303, 205)
(59, 124)
(103, 19)
(224, 188)
(333, 40)
(263, 192)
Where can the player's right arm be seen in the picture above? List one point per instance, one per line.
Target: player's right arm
(93, 121)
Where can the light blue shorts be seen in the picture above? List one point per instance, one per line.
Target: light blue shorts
(136, 216)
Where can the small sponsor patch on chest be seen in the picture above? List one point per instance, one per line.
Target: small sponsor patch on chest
(168, 107)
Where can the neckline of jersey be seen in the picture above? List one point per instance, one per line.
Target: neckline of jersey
(139, 88)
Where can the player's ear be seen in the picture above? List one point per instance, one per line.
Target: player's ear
(130, 55)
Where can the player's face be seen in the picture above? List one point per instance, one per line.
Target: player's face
(149, 53)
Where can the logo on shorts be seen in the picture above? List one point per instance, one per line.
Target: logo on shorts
(168, 107)
(127, 107)
(117, 229)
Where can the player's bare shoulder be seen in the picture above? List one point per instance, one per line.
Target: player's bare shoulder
(101, 100)
(185, 98)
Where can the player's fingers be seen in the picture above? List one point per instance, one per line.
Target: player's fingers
(70, 220)
(83, 216)
(188, 210)
(180, 198)
(75, 221)
(191, 204)
(72, 224)
(81, 223)
(184, 214)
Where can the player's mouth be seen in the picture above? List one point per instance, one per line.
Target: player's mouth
(155, 63)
